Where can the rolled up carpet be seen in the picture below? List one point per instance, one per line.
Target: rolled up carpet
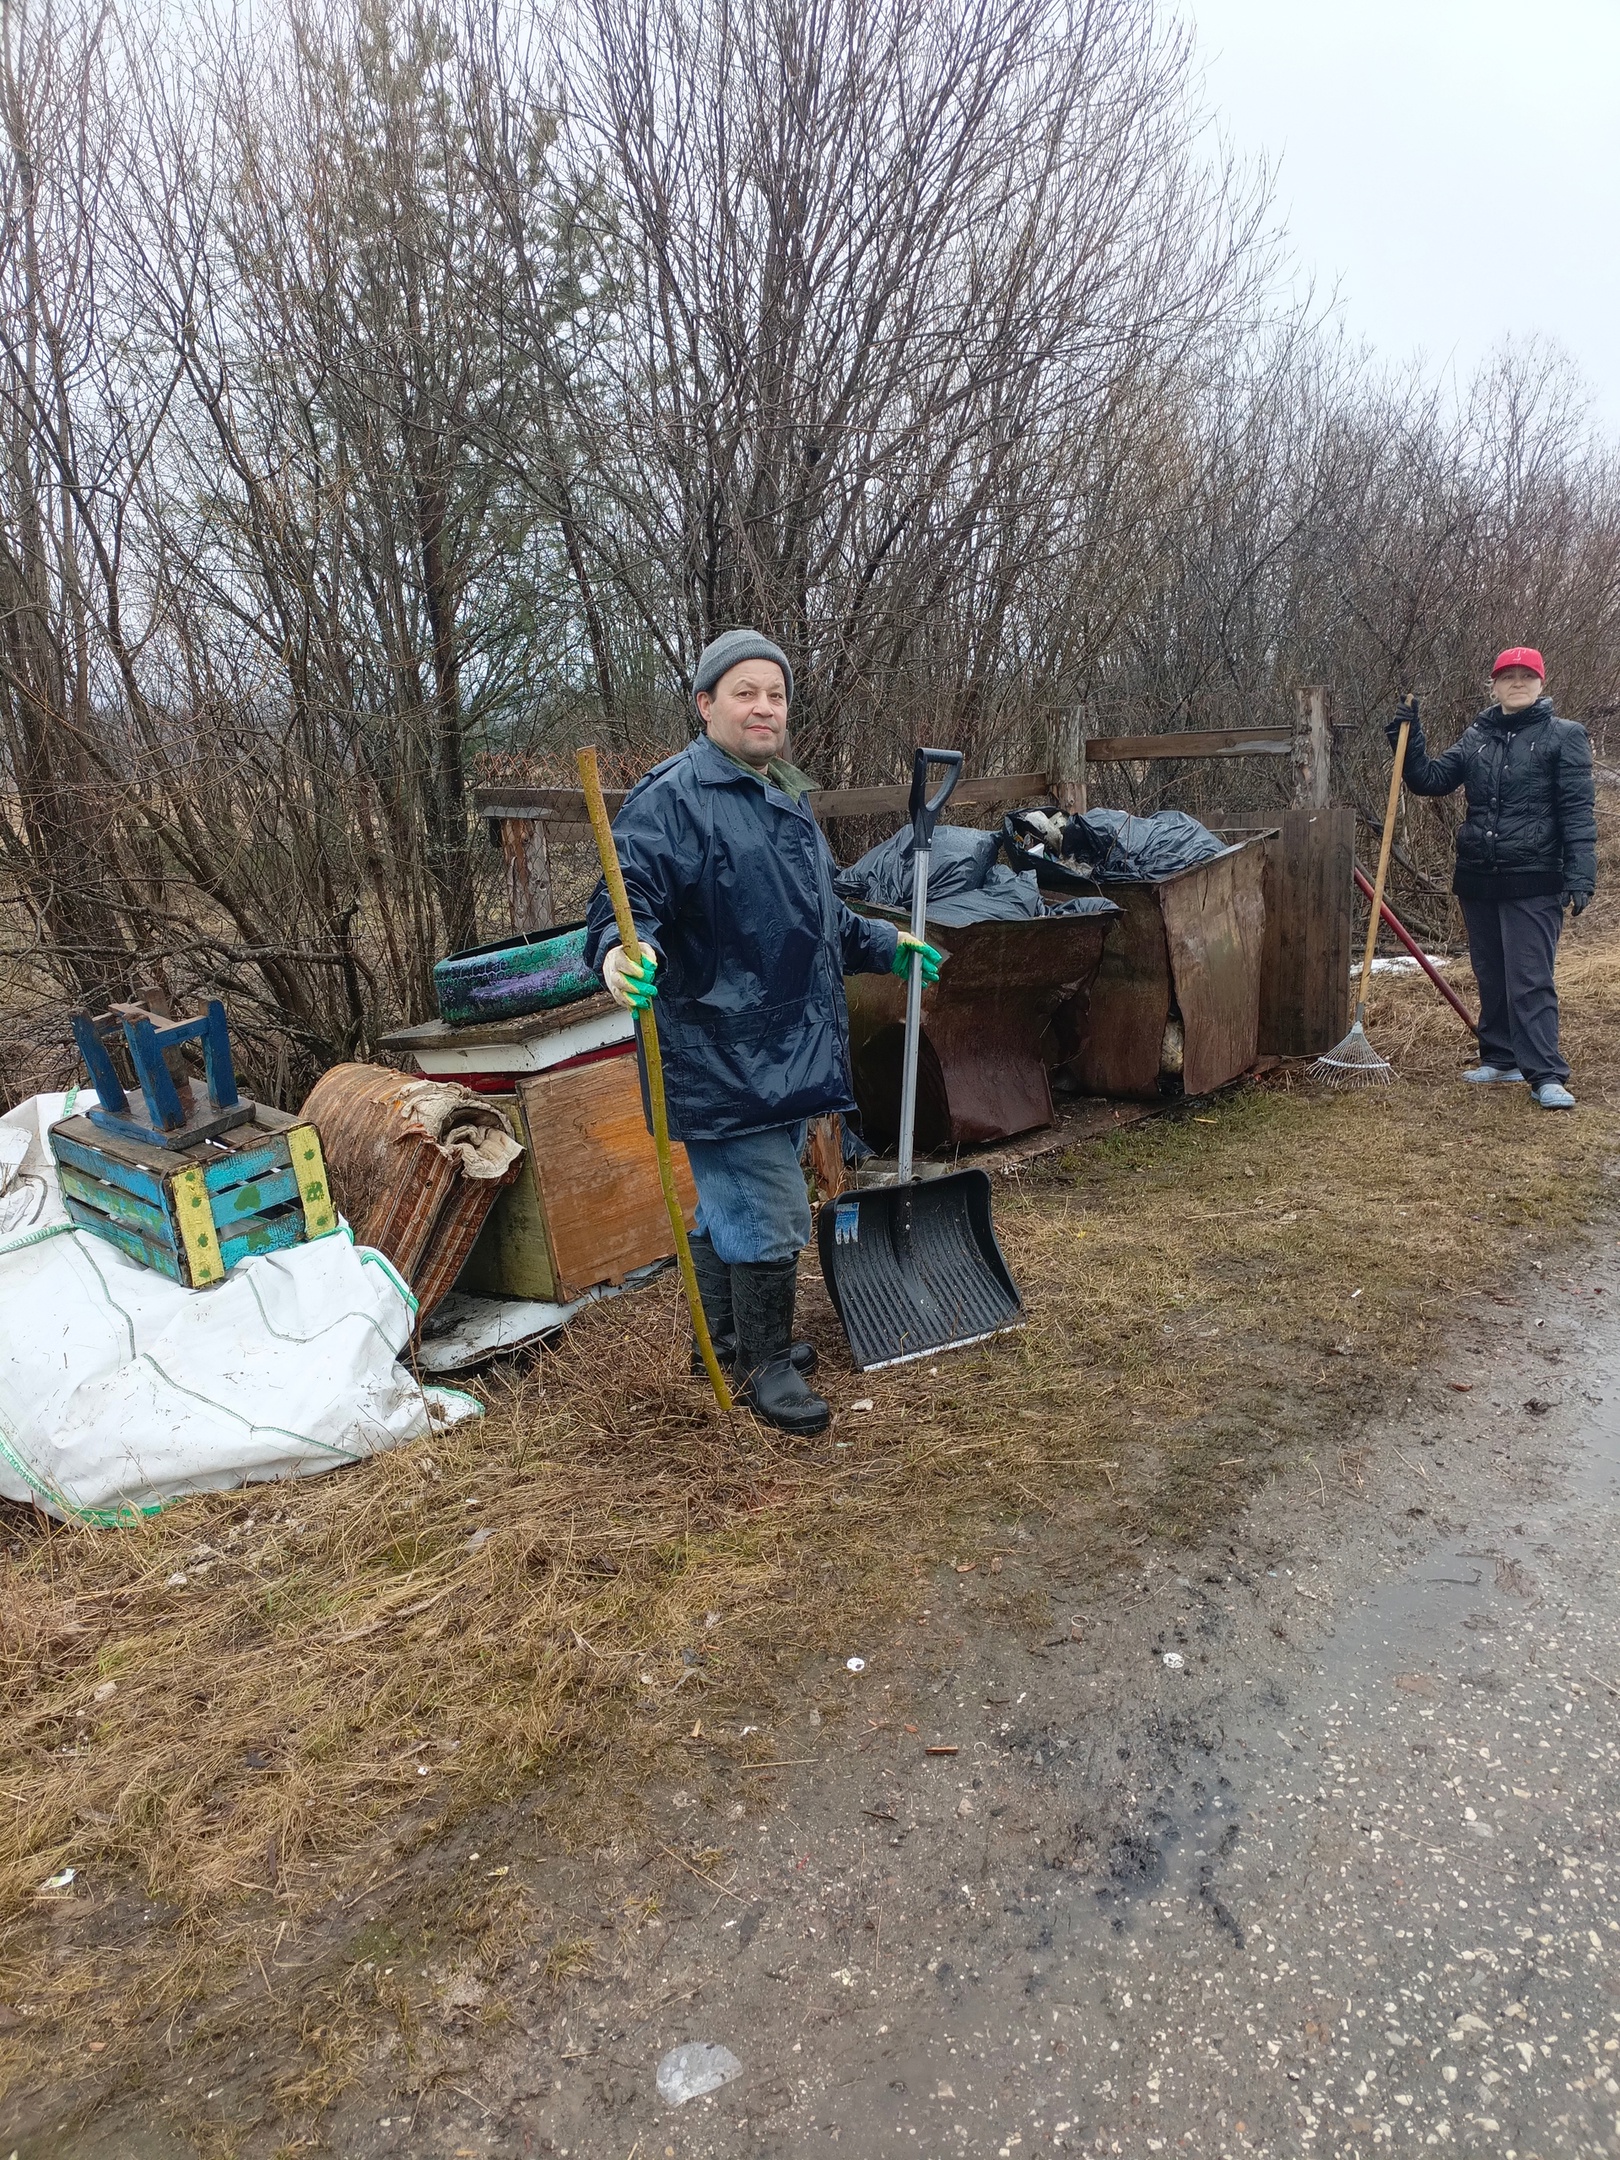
(415, 1165)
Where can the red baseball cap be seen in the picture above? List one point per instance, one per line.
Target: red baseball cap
(1520, 656)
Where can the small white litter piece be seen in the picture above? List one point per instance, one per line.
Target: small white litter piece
(1174, 1660)
(697, 2067)
(854, 1664)
(462, 1331)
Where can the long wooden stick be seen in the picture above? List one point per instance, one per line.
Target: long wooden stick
(591, 781)
(1373, 915)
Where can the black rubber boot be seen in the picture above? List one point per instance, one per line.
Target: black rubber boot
(714, 1288)
(762, 1293)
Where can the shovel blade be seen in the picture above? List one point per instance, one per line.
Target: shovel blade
(913, 1269)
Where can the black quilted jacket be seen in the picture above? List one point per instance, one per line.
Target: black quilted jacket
(1531, 827)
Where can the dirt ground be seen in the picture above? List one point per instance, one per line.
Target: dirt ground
(398, 1838)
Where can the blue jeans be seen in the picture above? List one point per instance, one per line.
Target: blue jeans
(751, 1198)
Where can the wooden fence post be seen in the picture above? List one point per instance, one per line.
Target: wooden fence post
(1069, 762)
(528, 873)
(1313, 749)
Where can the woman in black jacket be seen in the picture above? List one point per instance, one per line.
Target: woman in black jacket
(1526, 850)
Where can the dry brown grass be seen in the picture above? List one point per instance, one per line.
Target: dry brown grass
(259, 1752)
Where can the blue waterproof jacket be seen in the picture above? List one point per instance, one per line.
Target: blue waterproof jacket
(731, 881)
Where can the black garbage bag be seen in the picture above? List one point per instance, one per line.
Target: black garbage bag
(1115, 845)
(1033, 841)
(966, 883)
(1084, 904)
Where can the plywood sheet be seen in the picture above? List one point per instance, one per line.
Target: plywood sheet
(513, 1257)
(1215, 924)
(597, 1174)
(1305, 1000)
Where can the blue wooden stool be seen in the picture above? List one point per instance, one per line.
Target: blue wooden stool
(208, 1177)
(172, 1120)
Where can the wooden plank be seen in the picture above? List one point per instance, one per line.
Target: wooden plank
(264, 1233)
(314, 1186)
(108, 1164)
(566, 806)
(189, 1199)
(128, 1241)
(1215, 925)
(1068, 775)
(245, 1165)
(259, 1196)
(146, 1217)
(597, 1174)
(524, 1028)
(528, 873)
(553, 805)
(1305, 969)
(1215, 743)
(1330, 904)
(990, 792)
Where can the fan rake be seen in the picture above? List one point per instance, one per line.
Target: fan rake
(1354, 1063)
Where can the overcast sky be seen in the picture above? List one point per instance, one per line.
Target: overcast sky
(1452, 165)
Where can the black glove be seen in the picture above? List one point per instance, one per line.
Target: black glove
(1574, 901)
(1405, 715)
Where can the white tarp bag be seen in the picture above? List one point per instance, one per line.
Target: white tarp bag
(120, 1390)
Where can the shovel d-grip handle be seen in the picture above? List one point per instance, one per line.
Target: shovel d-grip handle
(924, 808)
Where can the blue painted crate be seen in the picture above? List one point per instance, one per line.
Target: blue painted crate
(192, 1213)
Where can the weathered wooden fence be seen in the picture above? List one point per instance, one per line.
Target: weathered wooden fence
(1309, 882)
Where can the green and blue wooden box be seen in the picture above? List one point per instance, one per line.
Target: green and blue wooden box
(193, 1212)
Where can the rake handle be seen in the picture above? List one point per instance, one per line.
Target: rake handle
(591, 781)
(1419, 955)
(1374, 911)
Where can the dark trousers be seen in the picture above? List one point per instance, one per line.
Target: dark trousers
(1512, 944)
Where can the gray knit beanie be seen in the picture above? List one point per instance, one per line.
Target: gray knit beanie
(731, 646)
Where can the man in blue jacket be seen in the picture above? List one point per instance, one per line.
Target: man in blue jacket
(730, 884)
(1526, 850)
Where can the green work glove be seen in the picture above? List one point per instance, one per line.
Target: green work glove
(901, 963)
(630, 982)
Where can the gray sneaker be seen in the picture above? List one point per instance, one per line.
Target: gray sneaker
(1553, 1095)
(1493, 1076)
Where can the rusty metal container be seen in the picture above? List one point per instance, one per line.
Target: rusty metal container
(1188, 947)
(986, 1042)
(415, 1165)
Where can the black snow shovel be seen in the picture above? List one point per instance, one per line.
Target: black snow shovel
(913, 1269)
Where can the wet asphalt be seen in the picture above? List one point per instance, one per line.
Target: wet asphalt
(1342, 1882)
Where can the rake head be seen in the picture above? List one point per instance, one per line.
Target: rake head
(1352, 1063)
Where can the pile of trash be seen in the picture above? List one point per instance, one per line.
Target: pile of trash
(967, 881)
(1110, 846)
(120, 1390)
(1039, 863)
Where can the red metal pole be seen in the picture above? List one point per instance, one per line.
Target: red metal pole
(1388, 915)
